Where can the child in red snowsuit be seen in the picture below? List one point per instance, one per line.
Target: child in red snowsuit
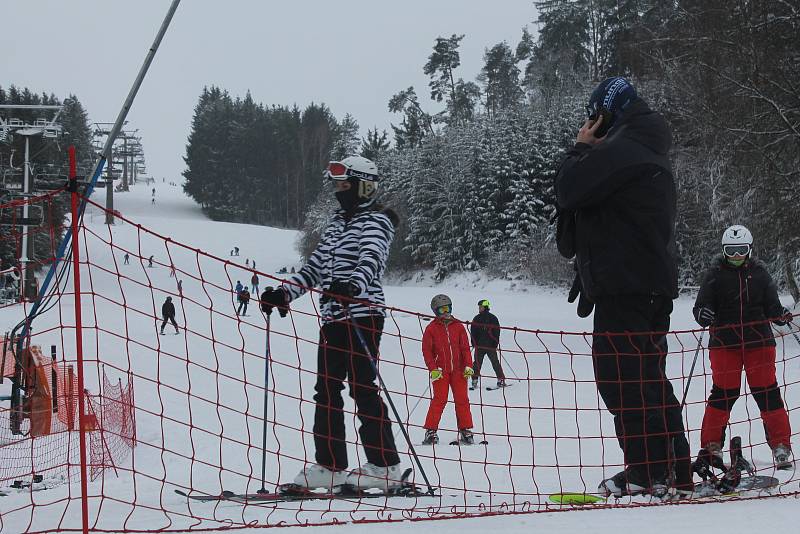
(445, 346)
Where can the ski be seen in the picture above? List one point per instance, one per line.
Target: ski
(703, 491)
(293, 492)
(461, 444)
(492, 388)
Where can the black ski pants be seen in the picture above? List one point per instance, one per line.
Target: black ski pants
(171, 319)
(629, 350)
(480, 353)
(341, 357)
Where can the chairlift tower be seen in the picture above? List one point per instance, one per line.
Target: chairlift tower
(47, 129)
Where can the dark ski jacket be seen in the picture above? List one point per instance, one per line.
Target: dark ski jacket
(244, 296)
(485, 331)
(618, 202)
(167, 310)
(739, 296)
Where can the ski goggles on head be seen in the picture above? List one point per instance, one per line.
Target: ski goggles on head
(735, 250)
(441, 310)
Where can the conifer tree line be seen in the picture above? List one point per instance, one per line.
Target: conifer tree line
(247, 162)
(473, 181)
(49, 163)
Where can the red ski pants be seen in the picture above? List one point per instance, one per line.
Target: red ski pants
(441, 387)
(726, 373)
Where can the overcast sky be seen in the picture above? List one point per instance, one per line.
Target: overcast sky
(353, 55)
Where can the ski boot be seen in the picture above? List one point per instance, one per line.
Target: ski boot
(628, 482)
(783, 457)
(501, 383)
(465, 437)
(708, 458)
(369, 476)
(315, 476)
(431, 438)
(475, 381)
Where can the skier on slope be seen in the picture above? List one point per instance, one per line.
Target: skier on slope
(485, 336)
(168, 314)
(348, 263)
(244, 300)
(737, 299)
(445, 348)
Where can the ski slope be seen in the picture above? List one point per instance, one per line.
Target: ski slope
(212, 376)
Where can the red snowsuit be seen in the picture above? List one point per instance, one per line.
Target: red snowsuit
(446, 347)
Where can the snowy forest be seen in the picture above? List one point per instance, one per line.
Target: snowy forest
(473, 182)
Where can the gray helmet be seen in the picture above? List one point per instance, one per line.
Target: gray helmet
(440, 300)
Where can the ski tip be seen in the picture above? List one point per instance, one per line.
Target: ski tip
(577, 499)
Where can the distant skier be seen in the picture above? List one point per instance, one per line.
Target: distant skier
(247, 261)
(239, 287)
(168, 313)
(180, 287)
(348, 264)
(154, 192)
(150, 261)
(244, 299)
(254, 283)
(485, 335)
(235, 251)
(254, 264)
(172, 271)
(445, 348)
(737, 299)
(126, 259)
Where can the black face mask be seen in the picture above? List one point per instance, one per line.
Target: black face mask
(348, 199)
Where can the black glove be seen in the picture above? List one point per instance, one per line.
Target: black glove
(343, 291)
(275, 298)
(585, 306)
(785, 318)
(705, 316)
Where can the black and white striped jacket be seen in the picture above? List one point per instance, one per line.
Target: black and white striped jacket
(355, 250)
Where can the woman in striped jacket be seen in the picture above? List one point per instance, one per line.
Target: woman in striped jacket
(348, 264)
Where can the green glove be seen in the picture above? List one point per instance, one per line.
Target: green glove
(436, 374)
(468, 372)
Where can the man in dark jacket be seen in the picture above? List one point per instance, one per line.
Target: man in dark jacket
(485, 335)
(244, 300)
(168, 313)
(616, 192)
(737, 300)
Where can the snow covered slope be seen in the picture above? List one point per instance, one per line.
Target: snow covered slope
(199, 395)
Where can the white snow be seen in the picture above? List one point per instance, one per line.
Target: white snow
(195, 387)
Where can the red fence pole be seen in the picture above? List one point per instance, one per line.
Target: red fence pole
(76, 273)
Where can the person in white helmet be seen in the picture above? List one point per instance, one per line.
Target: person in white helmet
(737, 300)
(348, 264)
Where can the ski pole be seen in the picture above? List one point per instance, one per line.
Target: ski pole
(368, 353)
(424, 394)
(513, 372)
(264, 425)
(691, 371)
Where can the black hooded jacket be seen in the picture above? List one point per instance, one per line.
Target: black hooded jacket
(167, 309)
(485, 331)
(739, 296)
(621, 199)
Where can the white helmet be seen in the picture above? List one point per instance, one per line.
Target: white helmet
(736, 241)
(737, 235)
(359, 168)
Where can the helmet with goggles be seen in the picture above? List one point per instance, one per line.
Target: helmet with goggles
(736, 241)
(441, 304)
(362, 174)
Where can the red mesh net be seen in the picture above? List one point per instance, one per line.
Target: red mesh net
(197, 419)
